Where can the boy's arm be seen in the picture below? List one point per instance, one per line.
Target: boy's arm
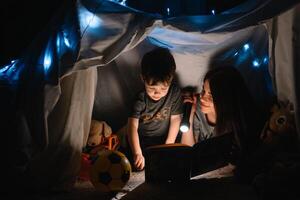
(133, 136)
(173, 129)
(134, 142)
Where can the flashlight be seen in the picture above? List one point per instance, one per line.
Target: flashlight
(185, 122)
(187, 93)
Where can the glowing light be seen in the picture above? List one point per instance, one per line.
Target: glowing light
(213, 12)
(265, 60)
(236, 53)
(58, 42)
(123, 2)
(89, 19)
(246, 47)
(255, 63)
(47, 60)
(62, 41)
(4, 69)
(12, 70)
(168, 11)
(184, 128)
(10, 66)
(67, 43)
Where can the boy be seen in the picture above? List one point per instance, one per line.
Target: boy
(157, 111)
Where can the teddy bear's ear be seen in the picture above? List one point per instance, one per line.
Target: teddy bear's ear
(275, 108)
(287, 106)
(106, 130)
(290, 107)
(96, 127)
(92, 124)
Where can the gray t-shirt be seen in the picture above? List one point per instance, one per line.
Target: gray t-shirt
(154, 116)
(202, 130)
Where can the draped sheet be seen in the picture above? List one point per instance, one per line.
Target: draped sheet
(194, 54)
(94, 74)
(68, 129)
(284, 33)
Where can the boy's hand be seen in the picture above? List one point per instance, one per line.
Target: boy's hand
(139, 161)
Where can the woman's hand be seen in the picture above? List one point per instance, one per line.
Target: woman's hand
(139, 161)
(191, 99)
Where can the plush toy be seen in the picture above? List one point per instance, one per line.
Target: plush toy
(98, 131)
(280, 127)
(101, 137)
(282, 158)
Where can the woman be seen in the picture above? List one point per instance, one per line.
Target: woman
(225, 123)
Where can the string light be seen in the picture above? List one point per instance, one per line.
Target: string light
(123, 2)
(89, 19)
(265, 60)
(47, 60)
(48, 57)
(67, 43)
(246, 47)
(4, 69)
(255, 63)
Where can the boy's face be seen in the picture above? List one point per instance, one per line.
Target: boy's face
(157, 91)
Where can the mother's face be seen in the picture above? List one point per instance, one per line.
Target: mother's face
(206, 99)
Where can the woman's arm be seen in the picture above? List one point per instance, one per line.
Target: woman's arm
(188, 137)
(173, 129)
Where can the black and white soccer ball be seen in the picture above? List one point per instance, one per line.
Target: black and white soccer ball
(110, 171)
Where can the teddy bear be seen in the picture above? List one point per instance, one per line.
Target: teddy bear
(99, 130)
(281, 154)
(101, 137)
(280, 129)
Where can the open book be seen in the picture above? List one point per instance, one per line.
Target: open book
(179, 162)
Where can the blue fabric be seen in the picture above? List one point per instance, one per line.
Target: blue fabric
(247, 13)
(65, 24)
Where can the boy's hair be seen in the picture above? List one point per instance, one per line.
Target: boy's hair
(158, 66)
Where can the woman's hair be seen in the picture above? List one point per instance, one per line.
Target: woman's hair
(234, 105)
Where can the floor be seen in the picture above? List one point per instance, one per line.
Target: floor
(217, 184)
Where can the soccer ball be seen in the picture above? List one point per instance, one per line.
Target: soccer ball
(110, 171)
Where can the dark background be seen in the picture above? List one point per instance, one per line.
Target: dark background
(21, 20)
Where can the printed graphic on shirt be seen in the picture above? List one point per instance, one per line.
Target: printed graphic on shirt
(154, 116)
(159, 116)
